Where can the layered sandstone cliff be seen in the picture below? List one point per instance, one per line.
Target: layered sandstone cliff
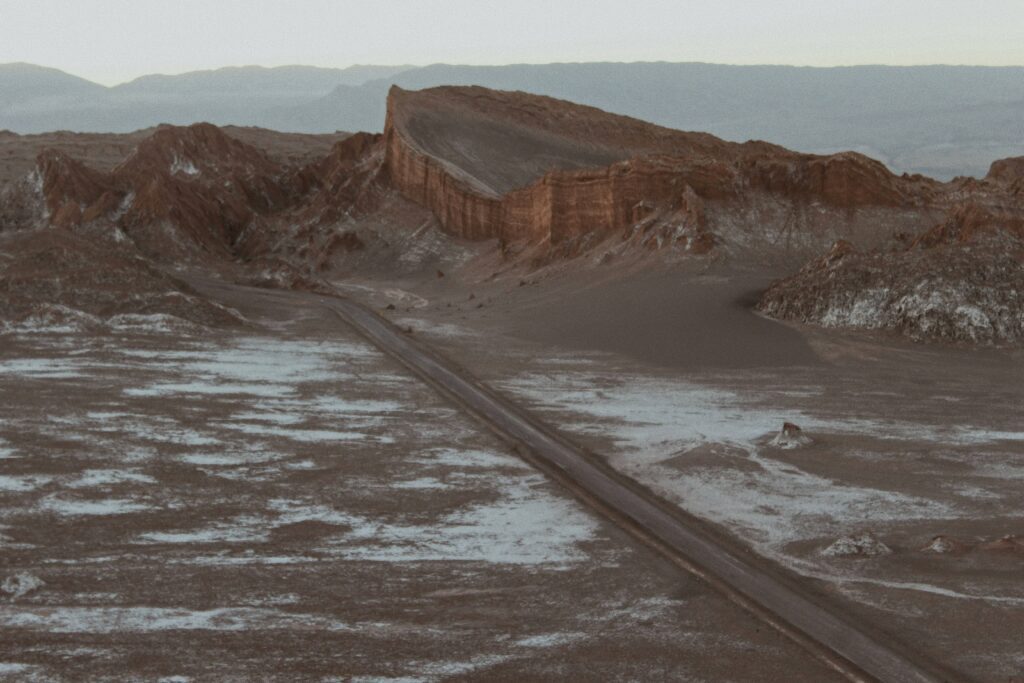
(577, 171)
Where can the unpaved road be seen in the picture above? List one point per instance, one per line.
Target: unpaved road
(857, 650)
(847, 646)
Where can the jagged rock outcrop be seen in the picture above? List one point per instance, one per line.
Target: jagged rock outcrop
(961, 281)
(71, 190)
(183, 192)
(573, 169)
(343, 181)
(198, 187)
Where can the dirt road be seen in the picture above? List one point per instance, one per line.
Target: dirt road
(851, 648)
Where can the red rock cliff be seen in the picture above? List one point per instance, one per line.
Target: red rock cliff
(442, 144)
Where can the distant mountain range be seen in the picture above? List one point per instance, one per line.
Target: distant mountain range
(936, 120)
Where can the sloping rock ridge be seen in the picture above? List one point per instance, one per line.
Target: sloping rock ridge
(580, 171)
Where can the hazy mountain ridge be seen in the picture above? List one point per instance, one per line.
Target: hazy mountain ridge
(936, 120)
(232, 95)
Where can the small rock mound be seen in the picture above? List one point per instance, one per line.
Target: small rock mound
(864, 544)
(791, 436)
(1006, 544)
(945, 545)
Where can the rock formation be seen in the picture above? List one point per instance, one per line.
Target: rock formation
(790, 437)
(1007, 170)
(863, 544)
(568, 171)
(960, 281)
(547, 179)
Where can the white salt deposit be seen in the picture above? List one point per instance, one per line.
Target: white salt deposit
(156, 323)
(184, 166)
(103, 478)
(82, 508)
(18, 484)
(105, 620)
(41, 368)
(240, 530)
(307, 435)
(471, 459)
(863, 544)
(526, 526)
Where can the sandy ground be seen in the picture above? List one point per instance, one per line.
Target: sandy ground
(909, 443)
(284, 503)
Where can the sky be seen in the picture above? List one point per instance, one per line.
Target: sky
(111, 41)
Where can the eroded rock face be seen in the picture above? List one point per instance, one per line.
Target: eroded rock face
(194, 192)
(962, 281)
(584, 173)
(568, 183)
(202, 185)
(548, 180)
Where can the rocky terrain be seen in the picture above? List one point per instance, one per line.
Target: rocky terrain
(55, 279)
(470, 178)
(641, 183)
(282, 501)
(195, 460)
(960, 281)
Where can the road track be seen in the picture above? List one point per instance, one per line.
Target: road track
(853, 649)
(857, 650)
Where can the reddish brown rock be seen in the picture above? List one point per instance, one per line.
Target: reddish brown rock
(70, 188)
(1007, 170)
(969, 222)
(577, 171)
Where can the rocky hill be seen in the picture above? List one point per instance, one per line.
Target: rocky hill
(530, 180)
(514, 166)
(960, 281)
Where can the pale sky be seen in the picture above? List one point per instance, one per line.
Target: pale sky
(111, 41)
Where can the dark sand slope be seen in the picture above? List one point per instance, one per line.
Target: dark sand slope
(668, 317)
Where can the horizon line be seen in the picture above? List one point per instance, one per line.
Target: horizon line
(412, 67)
